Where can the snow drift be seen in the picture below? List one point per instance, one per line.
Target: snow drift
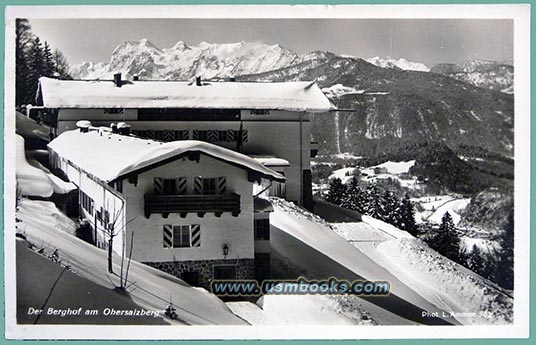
(46, 227)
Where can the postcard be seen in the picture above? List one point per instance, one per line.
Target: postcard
(267, 172)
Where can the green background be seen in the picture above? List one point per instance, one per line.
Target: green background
(5, 3)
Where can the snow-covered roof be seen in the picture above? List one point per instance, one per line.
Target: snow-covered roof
(295, 96)
(270, 161)
(109, 156)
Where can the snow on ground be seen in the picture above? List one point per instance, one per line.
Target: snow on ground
(385, 228)
(45, 227)
(339, 90)
(386, 170)
(28, 128)
(346, 155)
(484, 244)
(58, 185)
(416, 272)
(401, 63)
(61, 289)
(286, 310)
(359, 232)
(441, 281)
(314, 233)
(458, 289)
(396, 167)
(33, 179)
(345, 174)
(434, 207)
(30, 180)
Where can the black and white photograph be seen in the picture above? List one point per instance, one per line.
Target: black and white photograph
(264, 172)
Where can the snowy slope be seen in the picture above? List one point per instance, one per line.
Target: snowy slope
(417, 273)
(434, 207)
(339, 90)
(66, 288)
(45, 226)
(400, 64)
(290, 310)
(387, 170)
(313, 233)
(448, 285)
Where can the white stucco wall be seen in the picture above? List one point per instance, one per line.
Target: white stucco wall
(236, 232)
(103, 196)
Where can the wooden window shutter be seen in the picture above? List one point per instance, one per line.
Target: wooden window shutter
(168, 236)
(221, 185)
(158, 185)
(198, 185)
(196, 235)
(181, 185)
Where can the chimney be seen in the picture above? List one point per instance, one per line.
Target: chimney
(135, 78)
(198, 81)
(83, 125)
(117, 80)
(113, 126)
(123, 128)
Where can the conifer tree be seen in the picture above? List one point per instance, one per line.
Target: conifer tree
(48, 61)
(475, 260)
(61, 64)
(32, 61)
(351, 195)
(407, 216)
(447, 241)
(36, 66)
(504, 275)
(22, 42)
(374, 202)
(336, 191)
(389, 207)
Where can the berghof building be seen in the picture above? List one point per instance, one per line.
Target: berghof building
(268, 121)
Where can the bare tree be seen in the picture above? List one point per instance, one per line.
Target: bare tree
(111, 229)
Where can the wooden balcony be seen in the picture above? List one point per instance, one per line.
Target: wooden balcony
(184, 204)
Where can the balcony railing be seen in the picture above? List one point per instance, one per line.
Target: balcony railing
(184, 204)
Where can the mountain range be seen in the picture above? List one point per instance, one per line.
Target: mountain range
(392, 102)
(491, 75)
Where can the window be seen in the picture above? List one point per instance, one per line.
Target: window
(210, 185)
(170, 186)
(182, 236)
(226, 272)
(87, 202)
(114, 110)
(214, 135)
(184, 114)
(262, 229)
(119, 186)
(163, 135)
(259, 112)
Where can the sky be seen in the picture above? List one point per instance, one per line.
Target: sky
(429, 41)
